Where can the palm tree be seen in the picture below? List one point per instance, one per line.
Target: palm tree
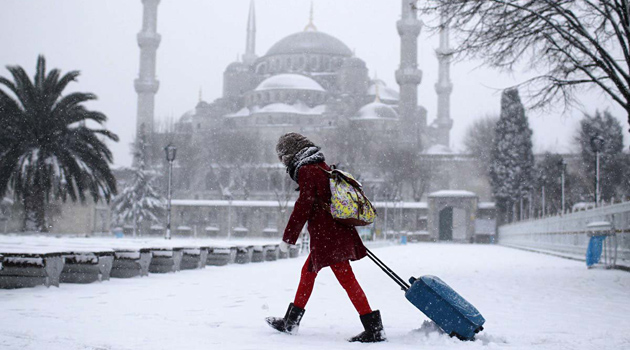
(47, 151)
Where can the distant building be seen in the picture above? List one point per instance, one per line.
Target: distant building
(313, 83)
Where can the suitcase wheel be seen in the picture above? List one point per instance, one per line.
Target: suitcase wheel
(453, 334)
(479, 329)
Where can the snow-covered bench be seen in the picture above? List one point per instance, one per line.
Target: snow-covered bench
(220, 256)
(85, 267)
(244, 254)
(131, 263)
(258, 255)
(20, 270)
(166, 260)
(271, 252)
(194, 258)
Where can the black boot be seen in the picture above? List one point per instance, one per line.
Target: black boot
(290, 322)
(373, 329)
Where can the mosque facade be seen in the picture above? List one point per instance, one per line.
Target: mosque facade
(312, 83)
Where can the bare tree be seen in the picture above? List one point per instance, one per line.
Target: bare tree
(567, 44)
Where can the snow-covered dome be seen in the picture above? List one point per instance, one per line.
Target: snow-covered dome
(385, 93)
(310, 42)
(353, 62)
(237, 67)
(187, 117)
(289, 82)
(376, 110)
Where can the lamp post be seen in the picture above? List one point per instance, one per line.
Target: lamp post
(563, 165)
(543, 204)
(597, 143)
(171, 151)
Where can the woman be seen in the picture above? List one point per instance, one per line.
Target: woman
(332, 244)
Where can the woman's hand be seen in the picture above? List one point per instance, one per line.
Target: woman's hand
(284, 246)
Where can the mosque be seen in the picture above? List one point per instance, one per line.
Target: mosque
(308, 82)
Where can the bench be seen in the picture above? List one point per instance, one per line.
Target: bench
(30, 270)
(131, 263)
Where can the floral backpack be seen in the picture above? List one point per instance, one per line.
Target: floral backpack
(349, 205)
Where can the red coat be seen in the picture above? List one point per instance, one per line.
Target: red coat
(331, 241)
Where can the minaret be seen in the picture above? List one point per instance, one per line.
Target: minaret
(250, 48)
(146, 84)
(408, 75)
(444, 87)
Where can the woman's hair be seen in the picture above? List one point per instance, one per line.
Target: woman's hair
(289, 144)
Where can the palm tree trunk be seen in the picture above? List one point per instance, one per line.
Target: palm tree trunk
(35, 210)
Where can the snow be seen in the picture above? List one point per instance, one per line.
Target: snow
(439, 150)
(452, 193)
(376, 111)
(530, 301)
(486, 205)
(598, 226)
(298, 108)
(289, 82)
(397, 205)
(9, 260)
(224, 203)
(385, 93)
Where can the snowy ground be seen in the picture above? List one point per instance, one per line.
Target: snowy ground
(530, 301)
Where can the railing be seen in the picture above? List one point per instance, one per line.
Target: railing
(567, 234)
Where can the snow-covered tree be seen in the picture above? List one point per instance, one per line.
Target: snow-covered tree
(479, 140)
(511, 170)
(47, 150)
(608, 128)
(139, 203)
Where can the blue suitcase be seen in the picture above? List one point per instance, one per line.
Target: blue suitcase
(449, 310)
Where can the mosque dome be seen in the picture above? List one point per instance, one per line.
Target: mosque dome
(289, 82)
(186, 118)
(237, 67)
(385, 93)
(310, 42)
(376, 110)
(353, 62)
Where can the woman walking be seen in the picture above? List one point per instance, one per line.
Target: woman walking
(332, 244)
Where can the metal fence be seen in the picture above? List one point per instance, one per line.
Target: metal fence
(567, 234)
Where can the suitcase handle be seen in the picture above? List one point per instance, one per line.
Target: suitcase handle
(404, 285)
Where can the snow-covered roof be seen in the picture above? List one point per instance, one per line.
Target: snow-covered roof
(405, 205)
(385, 93)
(310, 42)
(187, 117)
(376, 111)
(598, 225)
(439, 149)
(452, 193)
(297, 108)
(225, 203)
(243, 112)
(486, 205)
(289, 82)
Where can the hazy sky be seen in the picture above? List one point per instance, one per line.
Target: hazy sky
(201, 37)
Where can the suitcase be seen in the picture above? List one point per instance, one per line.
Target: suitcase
(449, 310)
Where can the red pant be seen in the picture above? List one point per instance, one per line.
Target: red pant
(346, 278)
